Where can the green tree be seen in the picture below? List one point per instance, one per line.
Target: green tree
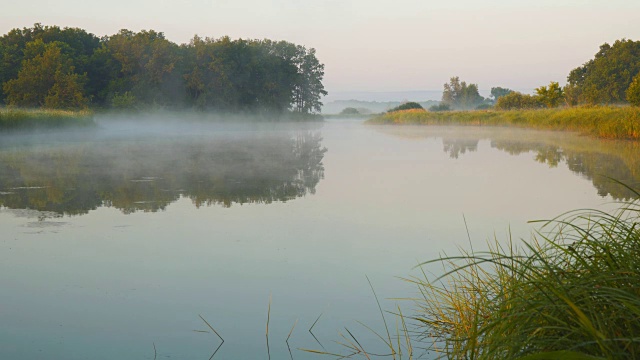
(605, 78)
(633, 92)
(497, 92)
(551, 96)
(146, 63)
(516, 100)
(440, 107)
(407, 106)
(459, 95)
(47, 78)
(349, 111)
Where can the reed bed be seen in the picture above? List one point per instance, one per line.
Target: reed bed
(572, 292)
(43, 119)
(602, 121)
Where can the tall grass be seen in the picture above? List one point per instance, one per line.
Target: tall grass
(603, 122)
(41, 118)
(573, 291)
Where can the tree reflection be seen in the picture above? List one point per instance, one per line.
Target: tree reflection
(594, 159)
(147, 175)
(457, 147)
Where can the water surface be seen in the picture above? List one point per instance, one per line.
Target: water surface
(118, 239)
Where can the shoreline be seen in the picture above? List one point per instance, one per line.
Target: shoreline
(601, 122)
(34, 119)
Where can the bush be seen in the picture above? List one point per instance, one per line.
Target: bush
(123, 101)
(484, 107)
(440, 107)
(633, 92)
(349, 111)
(407, 106)
(516, 100)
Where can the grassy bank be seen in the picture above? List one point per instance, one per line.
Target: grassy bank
(573, 291)
(603, 122)
(43, 119)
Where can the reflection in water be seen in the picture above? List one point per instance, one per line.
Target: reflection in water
(594, 159)
(148, 174)
(457, 147)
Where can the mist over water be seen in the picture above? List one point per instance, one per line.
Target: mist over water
(116, 238)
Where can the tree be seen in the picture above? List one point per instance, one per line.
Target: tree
(308, 87)
(551, 96)
(497, 92)
(633, 92)
(47, 78)
(605, 78)
(349, 111)
(516, 100)
(145, 64)
(407, 106)
(440, 107)
(459, 95)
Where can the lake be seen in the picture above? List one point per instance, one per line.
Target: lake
(115, 241)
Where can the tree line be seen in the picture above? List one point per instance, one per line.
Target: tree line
(611, 77)
(69, 68)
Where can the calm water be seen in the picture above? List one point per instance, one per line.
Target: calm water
(115, 240)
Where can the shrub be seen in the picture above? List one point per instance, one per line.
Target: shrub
(440, 107)
(633, 92)
(407, 106)
(349, 111)
(516, 100)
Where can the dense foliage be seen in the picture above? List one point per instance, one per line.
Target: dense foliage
(68, 68)
(551, 95)
(350, 111)
(407, 106)
(516, 100)
(606, 78)
(498, 92)
(440, 107)
(633, 92)
(458, 95)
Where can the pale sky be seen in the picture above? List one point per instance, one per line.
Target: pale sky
(398, 45)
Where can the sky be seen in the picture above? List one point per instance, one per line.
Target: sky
(377, 46)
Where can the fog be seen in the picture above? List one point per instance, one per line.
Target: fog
(144, 162)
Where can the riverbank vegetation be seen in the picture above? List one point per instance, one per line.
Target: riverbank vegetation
(14, 119)
(603, 122)
(68, 68)
(601, 98)
(569, 292)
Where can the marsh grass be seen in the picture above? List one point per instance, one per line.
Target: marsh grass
(603, 122)
(573, 291)
(11, 118)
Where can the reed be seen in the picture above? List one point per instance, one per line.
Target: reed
(11, 118)
(573, 291)
(601, 121)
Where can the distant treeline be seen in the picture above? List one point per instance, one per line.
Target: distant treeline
(612, 77)
(69, 68)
